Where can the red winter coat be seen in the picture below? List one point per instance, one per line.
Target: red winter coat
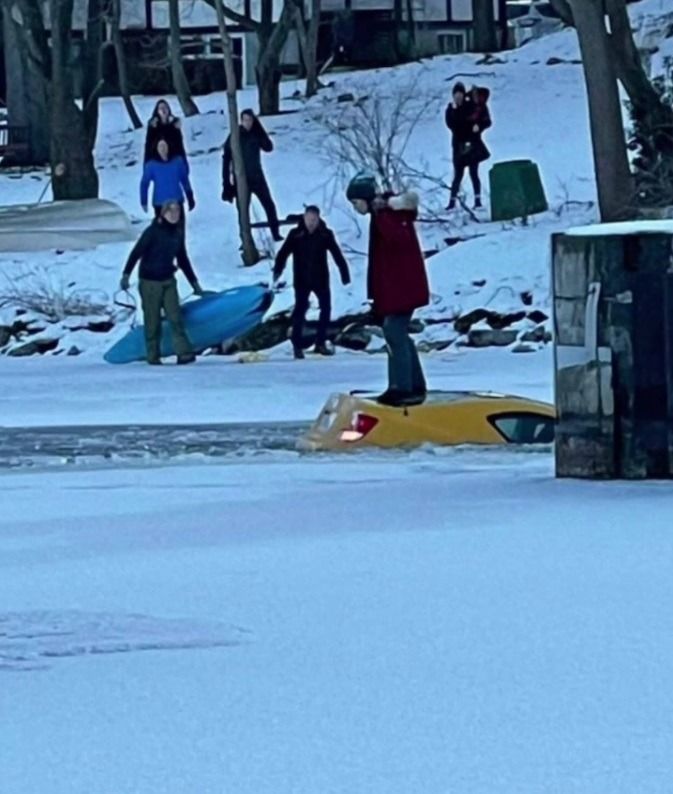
(396, 281)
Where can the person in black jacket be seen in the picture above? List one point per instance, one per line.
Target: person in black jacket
(467, 117)
(160, 246)
(164, 126)
(254, 141)
(309, 243)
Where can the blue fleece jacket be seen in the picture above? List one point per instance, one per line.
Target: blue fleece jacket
(170, 179)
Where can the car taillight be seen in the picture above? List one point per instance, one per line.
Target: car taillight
(361, 425)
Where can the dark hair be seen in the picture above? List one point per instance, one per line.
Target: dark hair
(459, 88)
(312, 208)
(248, 112)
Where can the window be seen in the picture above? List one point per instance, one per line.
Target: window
(524, 428)
(451, 43)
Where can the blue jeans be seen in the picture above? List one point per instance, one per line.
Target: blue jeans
(405, 373)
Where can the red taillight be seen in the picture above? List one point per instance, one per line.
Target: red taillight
(361, 425)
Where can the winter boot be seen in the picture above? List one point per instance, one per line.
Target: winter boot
(189, 358)
(477, 203)
(451, 205)
(299, 354)
(323, 350)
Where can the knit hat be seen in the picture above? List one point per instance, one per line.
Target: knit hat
(459, 88)
(362, 186)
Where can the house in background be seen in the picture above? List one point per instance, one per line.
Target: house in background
(352, 32)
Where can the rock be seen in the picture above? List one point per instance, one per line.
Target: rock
(346, 98)
(416, 326)
(522, 347)
(553, 61)
(499, 321)
(536, 316)
(463, 324)
(426, 346)
(354, 337)
(537, 335)
(74, 351)
(484, 337)
(19, 327)
(479, 283)
(527, 298)
(490, 60)
(269, 334)
(36, 347)
(5, 334)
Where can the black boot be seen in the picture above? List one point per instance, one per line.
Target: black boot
(189, 358)
(323, 350)
(451, 205)
(298, 353)
(477, 203)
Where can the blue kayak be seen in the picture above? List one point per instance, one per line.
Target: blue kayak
(211, 320)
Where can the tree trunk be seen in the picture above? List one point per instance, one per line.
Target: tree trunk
(92, 82)
(73, 173)
(615, 189)
(26, 59)
(272, 38)
(120, 58)
(503, 27)
(180, 83)
(250, 253)
(312, 80)
(485, 39)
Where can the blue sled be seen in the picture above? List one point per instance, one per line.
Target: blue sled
(209, 321)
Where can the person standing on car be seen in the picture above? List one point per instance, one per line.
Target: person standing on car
(254, 141)
(397, 283)
(170, 179)
(467, 117)
(161, 251)
(309, 243)
(164, 126)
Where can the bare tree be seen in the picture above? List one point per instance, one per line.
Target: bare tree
(651, 113)
(27, 59)
(485, 35)
(113, 15)
(308, 43)
(271, 37)
(613, 178)
(250, 253)
(180, 82)
(73, 172)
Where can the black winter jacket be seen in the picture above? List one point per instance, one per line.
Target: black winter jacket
(459, 121)
(169, 132)
(253, 143)
(309, 252)
(160, 246)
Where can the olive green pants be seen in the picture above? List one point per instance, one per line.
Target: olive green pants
(155, 296)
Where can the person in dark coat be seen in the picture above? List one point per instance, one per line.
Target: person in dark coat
(170, 179)
(159, 248)
(309, 243)
(254, 141)
(467, 117)
(164, 126)
(397, 283)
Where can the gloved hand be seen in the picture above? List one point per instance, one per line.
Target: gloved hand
(191, 201)
(124, 283)
(198, 289)
(228, 193)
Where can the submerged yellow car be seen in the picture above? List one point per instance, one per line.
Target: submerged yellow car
(350, 421)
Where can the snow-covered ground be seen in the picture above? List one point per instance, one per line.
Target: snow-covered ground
(440, 622)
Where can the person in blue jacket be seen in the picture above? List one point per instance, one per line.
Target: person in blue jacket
(169, 177)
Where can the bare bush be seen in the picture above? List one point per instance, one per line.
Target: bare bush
(35, 290)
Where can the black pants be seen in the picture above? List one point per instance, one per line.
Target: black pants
(405, 373)
(459, 172)
(260, 188)
(301, 303)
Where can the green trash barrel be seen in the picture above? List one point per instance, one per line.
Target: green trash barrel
(516, 190)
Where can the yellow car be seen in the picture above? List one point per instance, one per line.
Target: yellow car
(351, 421)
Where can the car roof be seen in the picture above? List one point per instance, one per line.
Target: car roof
(440, 396)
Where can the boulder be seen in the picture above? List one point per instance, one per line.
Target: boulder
(354, 337)
(523, 347)
(463, 324)
(487, 337)
(537, 335)
(536, 316)
(35, 347)
(5, 334)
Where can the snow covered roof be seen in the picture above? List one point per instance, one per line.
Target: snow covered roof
(622, 229)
